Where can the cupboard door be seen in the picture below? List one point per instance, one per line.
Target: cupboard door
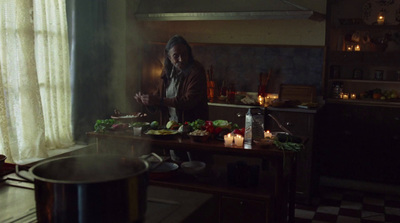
(364, 139)
(242, 210)
(300, 124)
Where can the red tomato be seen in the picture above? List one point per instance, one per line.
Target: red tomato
(217, 130)
(210, 128)
(237, 132)
(209, 123)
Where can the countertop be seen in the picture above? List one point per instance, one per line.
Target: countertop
(164, 205)
(271, 108)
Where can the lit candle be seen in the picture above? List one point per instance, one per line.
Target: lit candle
(345, 96)
(357, 48)
(353, 96)
(349, 47)
(260, 100)
(267, 134)
(228, 139)
(267, 100)
(381, 18)
(238, 140)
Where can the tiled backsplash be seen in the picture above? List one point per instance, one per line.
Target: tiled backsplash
(242, 64)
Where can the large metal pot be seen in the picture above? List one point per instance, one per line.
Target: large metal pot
(91, 188)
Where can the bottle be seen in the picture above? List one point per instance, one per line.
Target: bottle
(258, 125)
(223, 89)
(231, 93)
(248, 132)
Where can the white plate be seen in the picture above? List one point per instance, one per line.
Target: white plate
(371, 8)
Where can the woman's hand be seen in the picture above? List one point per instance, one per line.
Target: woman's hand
(147, 99)
(138, 97)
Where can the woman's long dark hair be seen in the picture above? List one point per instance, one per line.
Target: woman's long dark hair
(171, 43)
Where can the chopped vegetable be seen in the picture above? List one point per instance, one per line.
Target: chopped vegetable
(291, 146)
(198, 124)
(103, 125)
(199, 133)
(161, 132)
(222, 124)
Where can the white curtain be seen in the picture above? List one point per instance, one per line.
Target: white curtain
(35, 94)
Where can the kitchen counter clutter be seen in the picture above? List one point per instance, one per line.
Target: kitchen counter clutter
(268, 197)
(301, 121)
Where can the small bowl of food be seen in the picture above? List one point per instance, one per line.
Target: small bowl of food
(128, 118)
(199, 135)
(193, 167)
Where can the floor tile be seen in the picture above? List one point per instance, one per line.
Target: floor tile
(304, 214)
(328, 210)
(350, 212)
(390, 202)
(330, 202)
(346, 219)
(349, 206)
(300, 220)
(374, 200)
(392, 218)
(374, 208)
(369, 214)
(325, 217)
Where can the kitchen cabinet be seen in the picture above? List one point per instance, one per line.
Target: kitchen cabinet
(271, 199)
(240, 210)
(362, 134)
(300, 122)
(362, 56)
(362, 138)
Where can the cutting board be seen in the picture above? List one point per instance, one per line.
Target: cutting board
(301, 93)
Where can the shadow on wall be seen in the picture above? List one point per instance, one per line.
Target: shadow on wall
(91, 64)
(241, 65)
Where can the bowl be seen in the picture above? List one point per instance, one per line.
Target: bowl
(193, 167)
(2, 160)
(202, 138)
(165, 170)
(128, 118)
(162, 134)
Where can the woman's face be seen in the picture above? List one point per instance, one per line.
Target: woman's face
(178, 55)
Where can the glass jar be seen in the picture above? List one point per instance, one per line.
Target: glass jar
(337, 89)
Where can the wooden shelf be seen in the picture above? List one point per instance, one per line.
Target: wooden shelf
(342, 23)
(366, 102)
(364, 81)
(219, 185)
(366, 27)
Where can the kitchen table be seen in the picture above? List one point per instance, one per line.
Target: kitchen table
(276, 193)
(164, 205)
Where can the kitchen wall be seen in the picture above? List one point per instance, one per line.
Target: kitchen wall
(125, 38)
(253, 32)
(240, 65)
(128, 36)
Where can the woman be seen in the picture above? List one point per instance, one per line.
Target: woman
(182, 94)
